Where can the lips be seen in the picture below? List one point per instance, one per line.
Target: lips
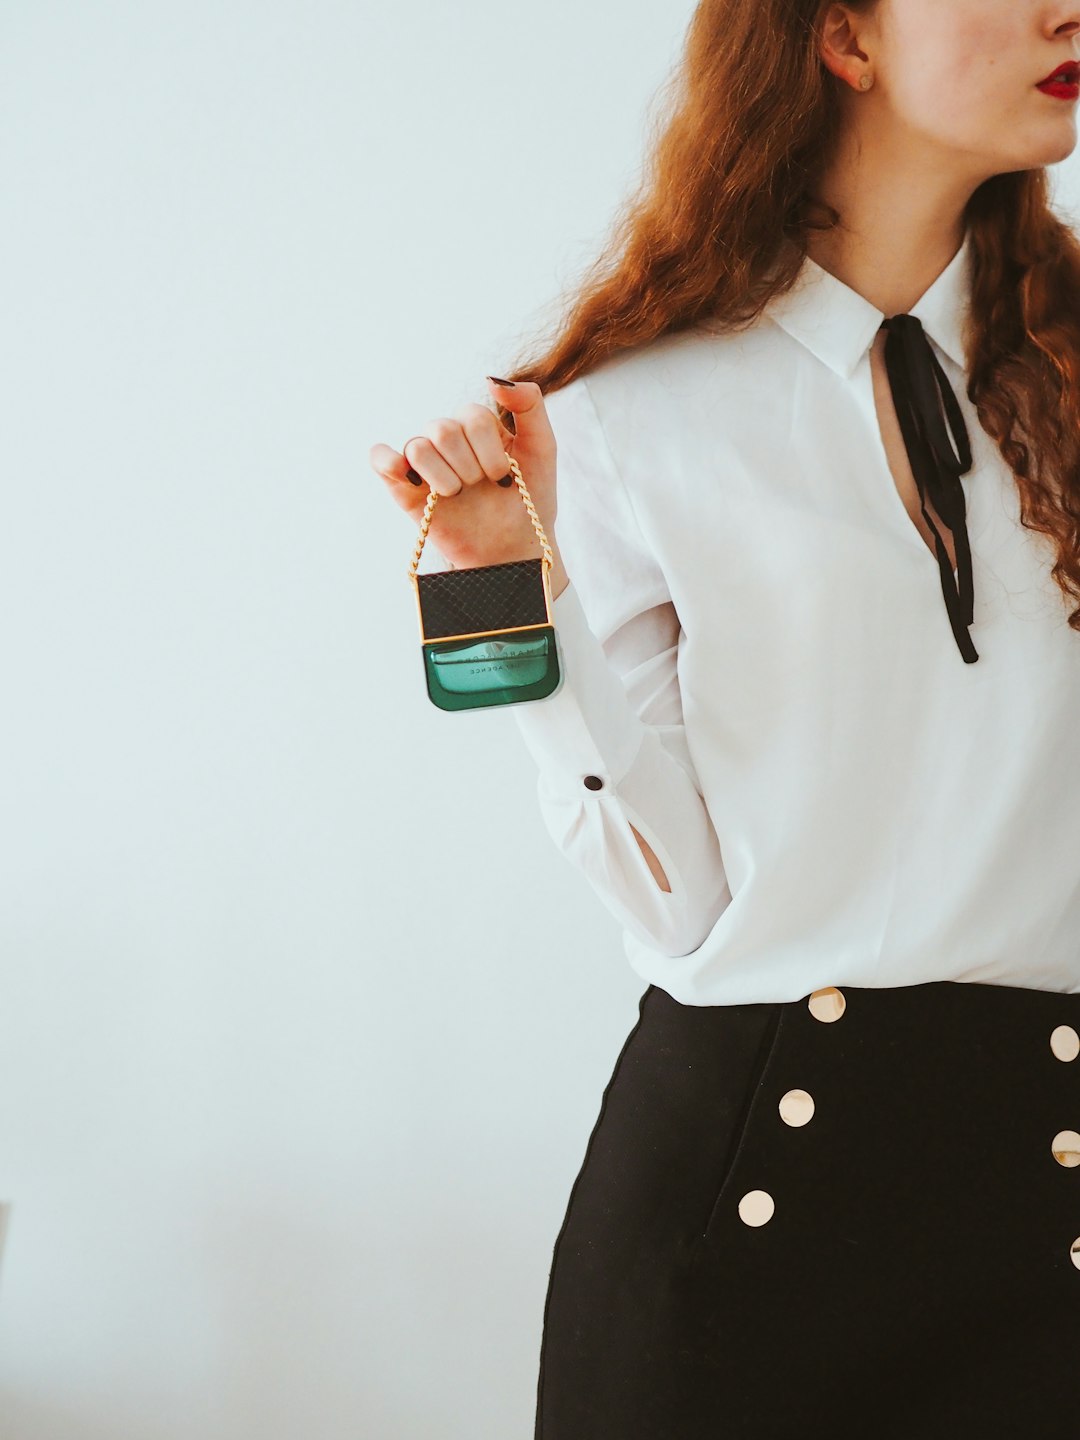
(1067, 73)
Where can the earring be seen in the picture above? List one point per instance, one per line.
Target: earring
(865, 81)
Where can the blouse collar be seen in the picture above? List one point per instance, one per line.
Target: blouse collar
(838, 325)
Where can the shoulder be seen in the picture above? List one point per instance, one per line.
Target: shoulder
(704, 386)
(695, 376)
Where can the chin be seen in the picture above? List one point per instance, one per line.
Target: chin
(1050, 150)
(1059, 139)
(1054, 154)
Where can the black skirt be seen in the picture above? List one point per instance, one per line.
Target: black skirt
(852, 1214)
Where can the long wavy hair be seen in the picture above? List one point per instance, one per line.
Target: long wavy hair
(718, 226)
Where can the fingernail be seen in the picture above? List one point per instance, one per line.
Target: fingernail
(506, 480)
(508, 383)
(411, 474)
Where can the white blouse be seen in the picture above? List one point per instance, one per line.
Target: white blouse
(759, 674)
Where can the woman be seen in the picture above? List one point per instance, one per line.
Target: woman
(817, 743)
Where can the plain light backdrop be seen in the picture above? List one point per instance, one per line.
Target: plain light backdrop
(304, 1022)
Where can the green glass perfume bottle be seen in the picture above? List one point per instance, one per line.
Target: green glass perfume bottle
(486, 632)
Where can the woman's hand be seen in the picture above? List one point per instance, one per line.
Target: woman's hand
(477, 521)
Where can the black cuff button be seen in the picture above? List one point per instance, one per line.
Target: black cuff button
(594, 782)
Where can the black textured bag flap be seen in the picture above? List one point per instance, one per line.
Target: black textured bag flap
(482, 598)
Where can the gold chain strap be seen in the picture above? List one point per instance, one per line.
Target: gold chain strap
(429, 510)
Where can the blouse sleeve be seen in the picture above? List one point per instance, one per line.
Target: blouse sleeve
(617, 716)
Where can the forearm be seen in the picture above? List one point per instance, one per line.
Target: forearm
(558, 580)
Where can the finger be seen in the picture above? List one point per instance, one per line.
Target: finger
(525, 400)
(437, 454)
(490, 441)
(392, 467)
(451, 446)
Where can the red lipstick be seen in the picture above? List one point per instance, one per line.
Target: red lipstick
(1064, 82)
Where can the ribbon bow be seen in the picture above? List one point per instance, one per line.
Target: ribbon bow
(920, 388)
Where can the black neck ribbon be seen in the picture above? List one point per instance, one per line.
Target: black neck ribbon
(920, 388)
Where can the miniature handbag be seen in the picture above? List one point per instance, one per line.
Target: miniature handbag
(486, 632)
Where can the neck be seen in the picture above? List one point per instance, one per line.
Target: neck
(903, 217)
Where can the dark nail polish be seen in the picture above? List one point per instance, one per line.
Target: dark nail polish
(411, 474)
(508, 383)
(505, 481)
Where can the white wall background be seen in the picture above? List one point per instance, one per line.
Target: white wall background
(304, 1023)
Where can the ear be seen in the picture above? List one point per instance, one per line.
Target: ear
(840, 30)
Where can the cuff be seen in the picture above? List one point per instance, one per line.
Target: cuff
(587, 730)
